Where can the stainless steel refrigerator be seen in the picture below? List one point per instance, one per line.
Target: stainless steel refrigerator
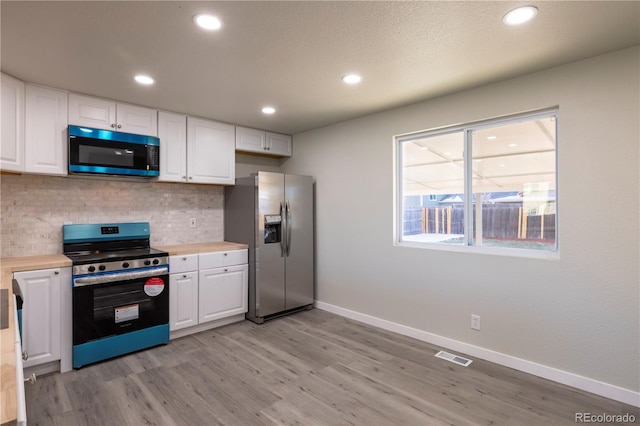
(273, 214)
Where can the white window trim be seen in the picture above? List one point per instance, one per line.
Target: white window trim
(468, 247)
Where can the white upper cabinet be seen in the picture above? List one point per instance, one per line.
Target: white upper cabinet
(278, 144)
(12, 137)
(250, 140)
(172, 131)
(45, 131)
(194, 150)
(210, 152)
(109, 115)
(136, 119)
(92, 112)
(261, 142)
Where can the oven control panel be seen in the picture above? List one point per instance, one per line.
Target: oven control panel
(124, 265)
(105, 230)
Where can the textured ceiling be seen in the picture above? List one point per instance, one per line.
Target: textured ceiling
(292, 54)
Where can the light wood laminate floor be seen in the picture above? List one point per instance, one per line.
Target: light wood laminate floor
(310, 368)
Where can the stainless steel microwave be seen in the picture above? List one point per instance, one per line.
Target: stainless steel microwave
(104, 152)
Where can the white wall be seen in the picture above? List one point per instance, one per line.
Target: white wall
(578, 314)
(249, 164)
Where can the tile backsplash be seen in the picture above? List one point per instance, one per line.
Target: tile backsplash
(34, 208)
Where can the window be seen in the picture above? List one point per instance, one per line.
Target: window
(488, 186)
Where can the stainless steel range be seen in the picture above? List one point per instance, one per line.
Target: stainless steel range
(120, 290)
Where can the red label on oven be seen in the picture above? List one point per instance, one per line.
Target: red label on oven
(154, 286)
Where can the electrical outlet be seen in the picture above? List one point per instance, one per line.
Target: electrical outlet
(475, 322)
(193, 223)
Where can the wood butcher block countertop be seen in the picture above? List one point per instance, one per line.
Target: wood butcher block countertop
(183, 249)
(8, 397)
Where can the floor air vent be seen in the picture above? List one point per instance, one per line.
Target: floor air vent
(454, 358)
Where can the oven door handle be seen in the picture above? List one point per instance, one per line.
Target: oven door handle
(122, 276)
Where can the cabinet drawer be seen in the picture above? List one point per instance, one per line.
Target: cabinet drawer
(183, 263)
(222, 258)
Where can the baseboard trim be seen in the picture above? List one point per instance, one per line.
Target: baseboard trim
(583, 383)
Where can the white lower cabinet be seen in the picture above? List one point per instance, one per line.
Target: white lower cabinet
(21, 402)
(183, 293)
(223, 292)
(207, 290)
(41, 315)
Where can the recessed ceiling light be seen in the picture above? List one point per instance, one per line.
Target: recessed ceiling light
(268, 110)
(512, 145)
(208, 22)
(144, 79)
(520, 15)
(352, 78)
(491, 137)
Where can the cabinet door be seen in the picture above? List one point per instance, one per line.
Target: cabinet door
(46, 131)
(223, 292)
(20, 397)
(137, 120)
(40, 315)
(12, 138)
(92, 112)
(210, 152)
(250, 140)
(172, 131)
(278, 144)
(183, 300)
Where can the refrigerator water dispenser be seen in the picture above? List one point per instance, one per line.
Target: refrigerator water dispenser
(272, 228)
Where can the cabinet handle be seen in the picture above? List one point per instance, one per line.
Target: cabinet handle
(119, 126)
(184, 258)
(113, 125)
(226, 270)
(25, 355)
(225, 254)
(31, 379)
(57, 272)
(190, 177)
(184, 177)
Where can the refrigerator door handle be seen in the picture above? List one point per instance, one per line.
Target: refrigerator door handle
(283, 230)
(288, 215)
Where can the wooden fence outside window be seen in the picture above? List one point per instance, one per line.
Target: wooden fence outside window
(498, 222)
